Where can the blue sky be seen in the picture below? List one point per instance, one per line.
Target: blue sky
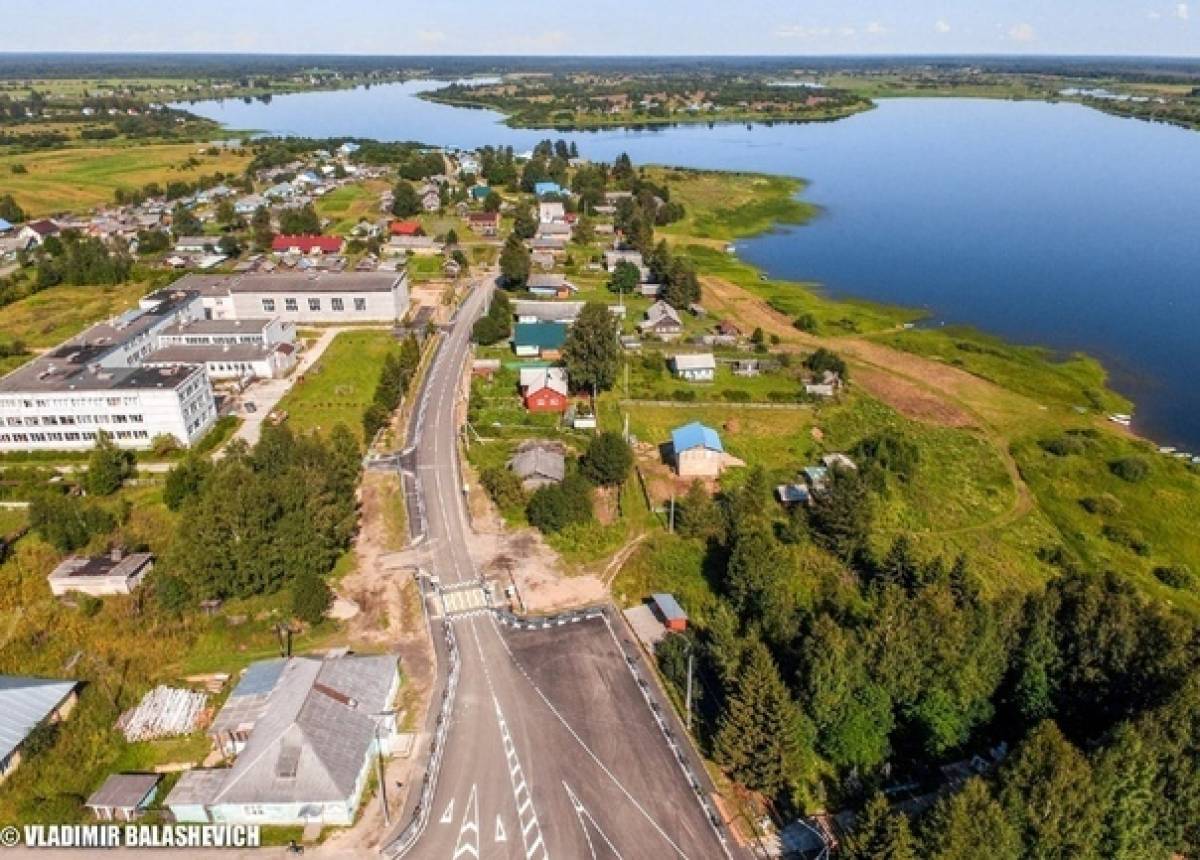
(663, 27)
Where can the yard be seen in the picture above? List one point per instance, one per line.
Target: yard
(341, 385)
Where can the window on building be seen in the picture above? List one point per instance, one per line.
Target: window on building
(360, 304)
(314, 304)
(337, 304)
(268, 305)
(291, 305)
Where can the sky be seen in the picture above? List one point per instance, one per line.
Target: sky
(655, 27)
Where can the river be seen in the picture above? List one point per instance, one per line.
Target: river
(1049, 224)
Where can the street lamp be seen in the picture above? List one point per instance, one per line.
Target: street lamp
(387, 815)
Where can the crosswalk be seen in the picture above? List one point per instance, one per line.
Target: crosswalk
(463, 601)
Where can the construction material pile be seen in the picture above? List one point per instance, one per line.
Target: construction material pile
(163, 712)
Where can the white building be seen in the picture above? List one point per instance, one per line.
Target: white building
(229, 349)
(303, 297)
(101, 575)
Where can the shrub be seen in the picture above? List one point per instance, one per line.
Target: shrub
(503, 487)
(806, 322)
(311, 598)
(1105, 505)
(736, 395)
(685, 395)
(1175, 575)
(607, 461)
(1062, 446)
(1131, 469)
(1124, 536)
(171, 593)
(553, 508)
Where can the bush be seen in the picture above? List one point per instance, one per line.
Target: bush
(806, 323)
(1131, 469)
(736, 395)
(1105, 505)
(1124, 536)
(108, 467)
(503, 487)
(171, 593)
(607, 461)
(311, 598)
(1063, 446)
(1175, 575)
(553, 508)
(67, 522)
(685, 395)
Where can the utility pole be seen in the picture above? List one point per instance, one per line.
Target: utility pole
(671, 522)
(383, 798)
(691, 659)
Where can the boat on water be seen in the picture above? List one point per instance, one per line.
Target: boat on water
(1122, 418)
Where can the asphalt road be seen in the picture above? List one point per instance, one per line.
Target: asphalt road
(552, 748)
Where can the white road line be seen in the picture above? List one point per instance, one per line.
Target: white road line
(645, 813)
(468, 831)
(581, 812)
(448, 815)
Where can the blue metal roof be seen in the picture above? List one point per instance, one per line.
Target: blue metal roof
(541, 188)
(259, 678)
(541, 335)
(24, 703)
(695, 435)
(480, 191)
(4, 226)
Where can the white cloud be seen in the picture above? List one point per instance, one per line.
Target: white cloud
(796, 31)
(876, 28)
(431, 37)
(1182, 12)
(846, 32)
(942, 26)
(1022, 32)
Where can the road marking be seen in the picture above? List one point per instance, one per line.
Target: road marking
(448, 815)
(501, 835)
(468, 831)
(581, 812)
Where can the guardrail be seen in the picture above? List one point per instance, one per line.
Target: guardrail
(404, 842)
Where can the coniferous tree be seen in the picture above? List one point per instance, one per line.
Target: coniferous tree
(969, 824)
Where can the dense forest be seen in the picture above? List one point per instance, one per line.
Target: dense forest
(831, 678)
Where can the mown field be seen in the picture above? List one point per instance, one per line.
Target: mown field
(76, 179)
(53, 315)
(341, 385)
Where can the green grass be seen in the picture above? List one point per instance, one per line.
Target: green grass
(725, 206)
(53, 315)
(79, 178)
(347, 205)
(341, 384)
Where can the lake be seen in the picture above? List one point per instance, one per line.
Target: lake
(1049, 224)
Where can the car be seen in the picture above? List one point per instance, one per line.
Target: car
(249, 407)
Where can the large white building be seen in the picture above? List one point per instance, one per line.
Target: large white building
(303, 297)
(229, 349)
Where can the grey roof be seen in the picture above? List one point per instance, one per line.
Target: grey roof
(184, 353)
(196, 787)
(80, 567)
(44, 374)
(290, 282)
(312, 739)
(124, 790)
(25, 702)
(552, 281)
(550, 311)
(214, 326)
(539, 462)
(249, 698)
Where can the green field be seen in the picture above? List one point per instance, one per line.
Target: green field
(76, 179)
(341, 384)
(724, 206)
(53, 315)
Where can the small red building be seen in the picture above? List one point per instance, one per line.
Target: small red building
(544, 389)
(306, 245)
(667, 608)
(407, 228)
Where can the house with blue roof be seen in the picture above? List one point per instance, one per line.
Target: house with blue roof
(698, 452)
(548, 189)
(5, 226)
(539, 340)
(480, 192)
(26, 704)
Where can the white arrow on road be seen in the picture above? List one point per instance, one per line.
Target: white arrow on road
(501, 836)
(448, 815)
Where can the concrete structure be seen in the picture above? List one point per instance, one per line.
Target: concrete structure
(25, 704)
(695, 367)
(101, 575)
(697, 451)
(303, 297)
(307, 732)
(544, 389)
(123, 796)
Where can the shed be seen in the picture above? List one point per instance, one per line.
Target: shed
(543, 339)
(123, 796)
(697, 450)
(669, 610)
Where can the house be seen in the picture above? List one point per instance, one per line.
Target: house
(25, 704)
(480, 192)
(195, 244)
(667, 608)
(662, 321)
(792, 494)
(406, 228)
(826, 385)
(249, 204)
(39, 231)
(548, 189)
(431, 200)
(5, 226)
(282, 191)
(423, 245)
(123, 796)
(613, 257)
(484, 223)
(697, 451)
(306, 732)
(695, 367)
(101, 575)
(11, 246)
(817, 477)
(548, 312)
(727, 329)
(539, 340)
(544, 389)
(550, 286)
(747, 367)
(315, 245)
(554, 230)
(348, 148)
(553, 244)
(551, 212)
(538, 464)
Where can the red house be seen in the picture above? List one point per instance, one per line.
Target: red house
(544, 389)
(407, 228)
(307, 245)
(484, 223)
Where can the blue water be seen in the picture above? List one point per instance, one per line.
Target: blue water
(1044, 223)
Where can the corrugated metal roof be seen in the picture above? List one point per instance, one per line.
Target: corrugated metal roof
(695, 435)
(669, 607)
(25, 702)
